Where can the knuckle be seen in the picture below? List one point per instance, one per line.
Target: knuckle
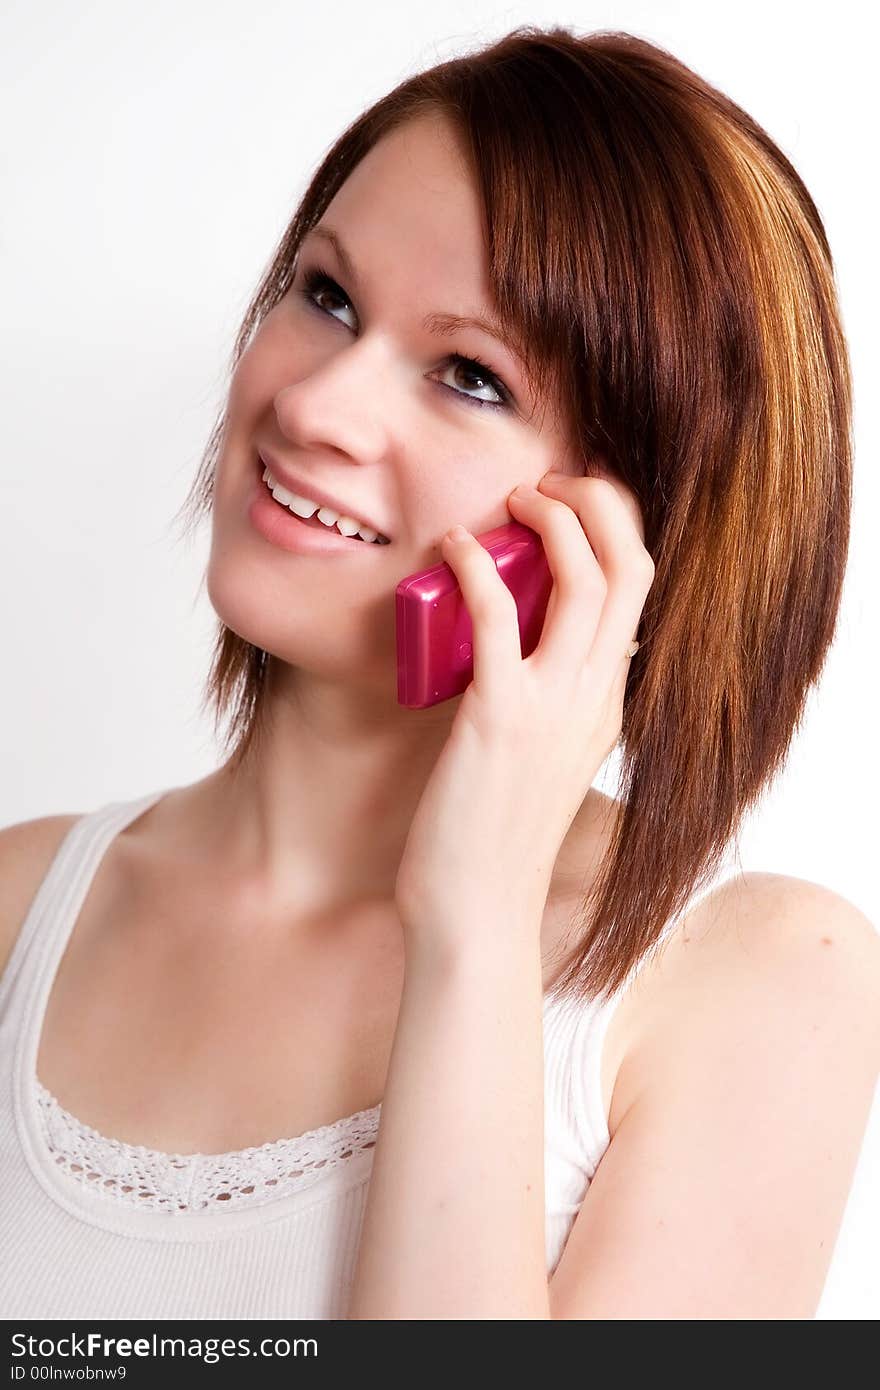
(642, 565)
(497, 607)
(564, 518)
(505, 603)
(595, 579)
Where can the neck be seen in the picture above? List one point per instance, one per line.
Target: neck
(312, 822)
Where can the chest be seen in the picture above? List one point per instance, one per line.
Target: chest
(183, 1019)
(177, 1022)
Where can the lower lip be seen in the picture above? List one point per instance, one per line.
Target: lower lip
(280, 527)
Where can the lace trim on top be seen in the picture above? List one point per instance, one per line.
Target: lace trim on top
(148, 1178)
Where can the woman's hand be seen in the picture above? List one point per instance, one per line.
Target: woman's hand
(529, 735)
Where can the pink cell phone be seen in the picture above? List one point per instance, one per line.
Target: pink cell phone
(434, 629)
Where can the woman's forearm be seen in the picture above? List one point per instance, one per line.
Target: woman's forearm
(454, 1219)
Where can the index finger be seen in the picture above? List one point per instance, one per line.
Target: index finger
(611, 519)
(568, 482)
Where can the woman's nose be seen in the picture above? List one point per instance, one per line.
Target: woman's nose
(341, 403)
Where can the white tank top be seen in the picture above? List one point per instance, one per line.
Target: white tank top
(91, 1227)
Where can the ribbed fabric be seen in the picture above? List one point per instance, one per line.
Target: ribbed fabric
(73, 1251)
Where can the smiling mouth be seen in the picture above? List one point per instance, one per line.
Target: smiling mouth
(317, 517)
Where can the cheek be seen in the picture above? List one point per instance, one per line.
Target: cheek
(270, 362)
(263, 370)
(448, 485)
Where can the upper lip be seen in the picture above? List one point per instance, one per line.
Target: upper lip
(306, 488)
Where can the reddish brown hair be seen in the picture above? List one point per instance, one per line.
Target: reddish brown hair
(664, 267)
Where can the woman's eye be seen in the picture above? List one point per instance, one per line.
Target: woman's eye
(317, 282)
(472, 367)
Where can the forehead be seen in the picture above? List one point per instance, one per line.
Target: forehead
(413, 201)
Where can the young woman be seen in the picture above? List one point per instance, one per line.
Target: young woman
(564, 262)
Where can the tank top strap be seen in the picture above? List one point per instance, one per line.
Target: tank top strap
(585, 1025)
(43, 933)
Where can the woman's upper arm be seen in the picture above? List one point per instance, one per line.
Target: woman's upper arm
(26, 851)
(723, 1189)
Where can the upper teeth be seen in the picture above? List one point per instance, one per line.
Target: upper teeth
(304, 507)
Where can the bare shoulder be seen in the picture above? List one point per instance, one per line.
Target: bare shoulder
(759, 942)
(750, 1063)
(768, 932)
(26, 851)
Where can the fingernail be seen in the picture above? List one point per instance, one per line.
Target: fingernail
(525, 491)
(457, 533)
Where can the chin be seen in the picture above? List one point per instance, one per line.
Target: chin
(363, 649)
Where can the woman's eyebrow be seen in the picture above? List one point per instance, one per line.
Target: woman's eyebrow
(442, 325)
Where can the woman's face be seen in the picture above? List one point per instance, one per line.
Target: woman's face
(350, 391)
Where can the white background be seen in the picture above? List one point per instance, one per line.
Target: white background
(151, 156)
